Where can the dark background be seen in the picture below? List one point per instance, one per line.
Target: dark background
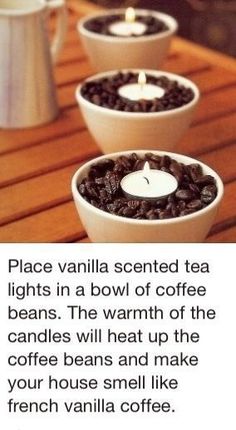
(209, 22)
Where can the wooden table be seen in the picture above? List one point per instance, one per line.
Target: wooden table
(36, 165)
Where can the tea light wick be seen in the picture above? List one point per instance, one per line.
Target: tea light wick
(142, 90)
(148, 184)
(129, 26)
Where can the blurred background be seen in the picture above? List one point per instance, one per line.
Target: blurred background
(209, 22)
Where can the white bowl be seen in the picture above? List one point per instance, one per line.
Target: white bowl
(120, 131)
(112, 52)
(105, 227)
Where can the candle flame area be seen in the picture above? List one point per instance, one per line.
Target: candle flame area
(146, 167)
(130, 15)
(142, 80)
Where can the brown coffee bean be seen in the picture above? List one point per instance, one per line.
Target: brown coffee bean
(99, 181)
(112, 183)
(160, 203)
(194, 188)
(82, 189)
(153, 157)
(91, 191)
(165, 161)
(186, 212)
(176, 169)
(208, 194)
(145, 205)
(165, 214)
(185, 195)
(152, 214)
(195, 205)
(205, 180)
(134, 204)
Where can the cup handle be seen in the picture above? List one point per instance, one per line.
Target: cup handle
(62, 18)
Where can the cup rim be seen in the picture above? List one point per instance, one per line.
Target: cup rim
(184, 158)
(169, 20)
(139, 115)
(18, 12)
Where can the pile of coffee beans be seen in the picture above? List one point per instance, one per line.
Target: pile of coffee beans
(101, 24)
(101, 188)
(104, 92)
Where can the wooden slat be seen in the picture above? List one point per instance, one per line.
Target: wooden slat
(71, 53)
(59, 224)
(82, 7)
(214, 78)
(84, 240)
(209, 136)
(216, 104)
(215, 57)
(227, 207)
(68, 122)
(223, 161)
(66, 96)
(184, 64)
(46, 157)
(72, 19)
(72, 72)
(36, 194)
(227, 236)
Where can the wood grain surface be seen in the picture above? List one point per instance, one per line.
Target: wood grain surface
(36, 165)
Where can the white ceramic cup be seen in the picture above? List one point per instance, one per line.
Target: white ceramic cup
(112, 52)
(104, 227)
(121, 131)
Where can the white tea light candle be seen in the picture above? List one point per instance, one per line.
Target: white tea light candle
(149, 184)
(128, 27)
(141, 90)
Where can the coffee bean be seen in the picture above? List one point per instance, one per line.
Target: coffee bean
(165, 214)
(128, 212)
(112, 183)
(151, 214)
(208, 194)
(176, 169)
(195, 205)
(102, 188)
(187, 212)
(205, 180)
(165, 161)
(194, 188)
(184, 195)
(134, 204)
(82, 189)
(145, 205)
